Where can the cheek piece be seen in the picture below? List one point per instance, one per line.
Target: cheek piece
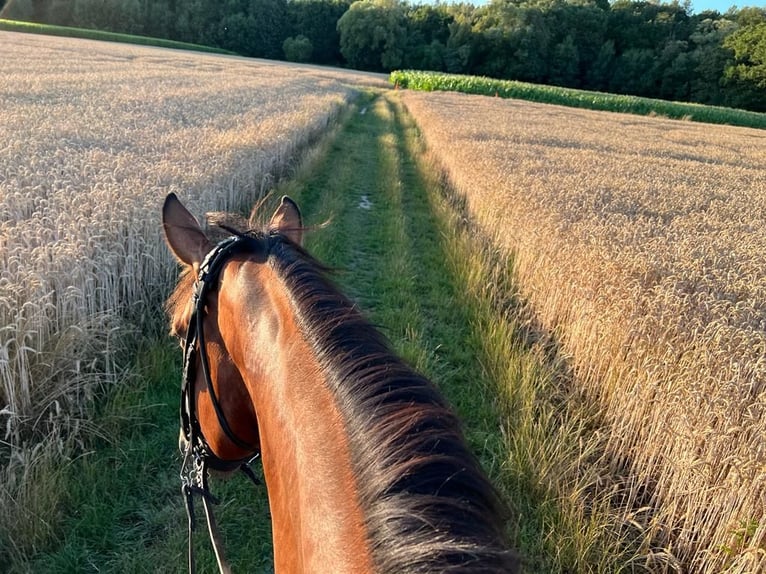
(198, 456)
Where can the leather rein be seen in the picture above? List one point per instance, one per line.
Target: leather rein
(198, 456)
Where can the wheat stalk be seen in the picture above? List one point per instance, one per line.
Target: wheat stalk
(639, 243)
(94, 135)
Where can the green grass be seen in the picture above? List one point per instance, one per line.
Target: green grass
(119, 507)
(433, 81)
(69, 32)
(445, 299)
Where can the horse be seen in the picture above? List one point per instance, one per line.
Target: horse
(365, 465)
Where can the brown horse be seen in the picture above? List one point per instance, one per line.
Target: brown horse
(365, 466)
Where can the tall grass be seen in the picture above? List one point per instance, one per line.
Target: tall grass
(94, 136)
(638, 243)
(434, 81)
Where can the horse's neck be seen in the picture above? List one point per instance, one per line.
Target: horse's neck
(316, 518)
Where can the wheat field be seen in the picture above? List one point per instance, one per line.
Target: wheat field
(640, 245)
(92, 137)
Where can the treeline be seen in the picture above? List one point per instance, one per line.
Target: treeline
(631, 47)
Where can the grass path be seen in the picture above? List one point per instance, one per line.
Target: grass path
(404, 256)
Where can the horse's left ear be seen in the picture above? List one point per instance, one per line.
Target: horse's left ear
(287, 220)
(183, 233)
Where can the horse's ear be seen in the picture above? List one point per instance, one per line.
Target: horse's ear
(183, 233)
(287, 220)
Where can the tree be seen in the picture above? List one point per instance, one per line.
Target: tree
(110, 15)
(428, 23)
(577, 33)
(675, 70)
(233, 33)
(269, 30)
(565, 65)
(61, 13)
(534, 38)
(19, 10)
(427, 33)
(514, 41)
(317, 20)
(458, 52)
(747, 74)
(297, 49)
(373, 34)
(195, 21)
(634, 73)
(158, 19)
(750, 16)
(600, 70)
(646, 25)
(709, 58)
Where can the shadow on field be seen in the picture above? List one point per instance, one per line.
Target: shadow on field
(536, 433)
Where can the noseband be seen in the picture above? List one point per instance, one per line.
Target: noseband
(198, 456)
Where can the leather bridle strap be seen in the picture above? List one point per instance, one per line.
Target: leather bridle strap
(195, 343)
(198, 486)
(198, 455)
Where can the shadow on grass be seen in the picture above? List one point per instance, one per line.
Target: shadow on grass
(408, 256)
(512, 384)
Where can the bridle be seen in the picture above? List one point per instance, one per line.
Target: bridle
(207, 278)
(198, 456)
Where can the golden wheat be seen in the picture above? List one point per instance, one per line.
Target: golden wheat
(92, 137)
(641, 244)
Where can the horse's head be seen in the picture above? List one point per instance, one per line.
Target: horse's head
(362, 457)
(217, 409)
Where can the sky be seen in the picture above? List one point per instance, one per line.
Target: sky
(723, 5)
(697, 5)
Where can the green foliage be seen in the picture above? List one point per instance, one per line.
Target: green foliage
(565, 65)
(233, 32)
(298, 49)
(741, 536)
(269, 28)
(709, 59)
(636, 47)
(430, 81)
(748, 71)
(634, 72)
(373, 34)
(598, 74)
(317, 20)
(191, 22)
(109, 15)
(18, 10)
(427, 35)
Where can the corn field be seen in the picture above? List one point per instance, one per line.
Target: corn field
(92, 138)
(641, 244)
(570, 97)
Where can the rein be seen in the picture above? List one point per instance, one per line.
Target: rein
(198, 457)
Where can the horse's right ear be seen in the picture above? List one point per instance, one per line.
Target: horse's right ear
(183, 233)
(287, 220)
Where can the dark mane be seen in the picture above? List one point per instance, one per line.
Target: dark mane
(428, 506)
